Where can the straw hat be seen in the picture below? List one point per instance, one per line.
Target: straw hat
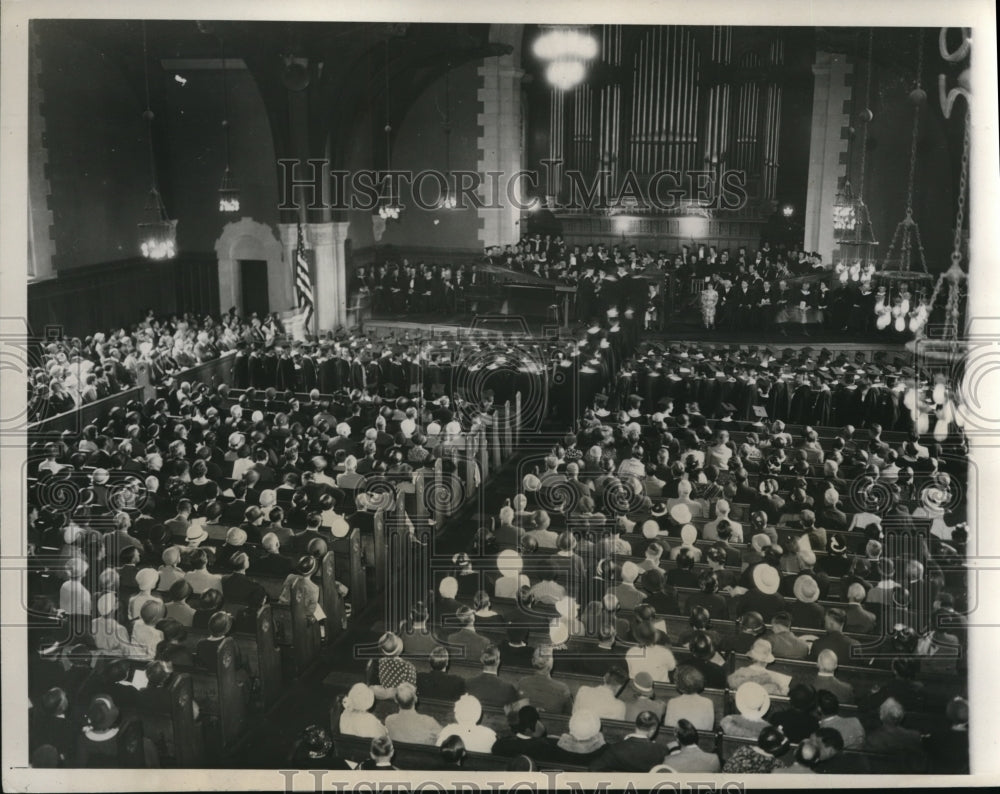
(766, 579)
(806, 590)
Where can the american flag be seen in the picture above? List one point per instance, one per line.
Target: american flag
(303, 283)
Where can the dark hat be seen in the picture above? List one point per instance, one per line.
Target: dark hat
(102, 713)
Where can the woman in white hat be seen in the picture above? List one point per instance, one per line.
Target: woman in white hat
(356, 718)
(756, 672)
(583, 741)
(110, 636)
(477, 738)
(146, 579)
(752, 703)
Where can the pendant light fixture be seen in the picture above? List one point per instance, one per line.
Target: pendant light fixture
(229, 194)
(157, 236)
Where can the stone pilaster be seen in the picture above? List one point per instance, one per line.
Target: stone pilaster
(828, 147)
(500, 149)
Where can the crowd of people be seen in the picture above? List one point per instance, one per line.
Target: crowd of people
(770, 287)
(74, 371)
(623, 528)
(676, 473)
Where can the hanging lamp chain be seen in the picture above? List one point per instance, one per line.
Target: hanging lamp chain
(225, 100)
(864, 132)
(916, 126)
(963, 180)
(148, 116)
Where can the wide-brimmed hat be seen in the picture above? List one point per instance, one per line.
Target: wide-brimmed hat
(390, 644)
(766, 579)
(761, 651)
(806, 590)
(196, 533)
(359, 698)
(752, 700)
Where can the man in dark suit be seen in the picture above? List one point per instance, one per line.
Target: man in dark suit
(834, 639)
(438, 682)
(515, 651)
(271, 563)
(637, 752)
(487, 686)
(236, 587)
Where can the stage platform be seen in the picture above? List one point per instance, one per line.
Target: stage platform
(469, 325)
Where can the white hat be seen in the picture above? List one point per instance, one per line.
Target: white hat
(359, 698)
(650, 529)
(448, 587)
(147, 578)
(339, 527)
(761, 651)
(806, 590)
(407, 427)
(689, 534)
(100, 476)
(468, 710)
(343, 429)
(558, 633)
(107, 604)
(509, 562)
(433, 429)
(766, 579)
(453, 428)
(630, 572)
(195, 533)
(752, 700)
(531, 482)
(681, 513)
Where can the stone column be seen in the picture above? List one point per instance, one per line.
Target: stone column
(340, 232)
(326, 280)
(828, 146)
(500, 150)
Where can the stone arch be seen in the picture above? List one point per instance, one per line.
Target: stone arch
(248, 239)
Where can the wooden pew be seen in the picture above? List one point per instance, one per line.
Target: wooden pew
(664, 689)
(221, 700)
(423, 756)
(261, 652)
(168, 721)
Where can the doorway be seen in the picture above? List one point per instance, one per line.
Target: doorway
(253, 290)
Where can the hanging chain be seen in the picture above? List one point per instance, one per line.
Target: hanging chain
(864, 133)
(225, 99)
(148, 114)
(916, 124)
(956, 250)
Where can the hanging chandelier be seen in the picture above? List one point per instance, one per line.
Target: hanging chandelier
(229, 194)
(448, 200)
(852, 223)
(391, 208)
(158, 236)
(567, 51)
